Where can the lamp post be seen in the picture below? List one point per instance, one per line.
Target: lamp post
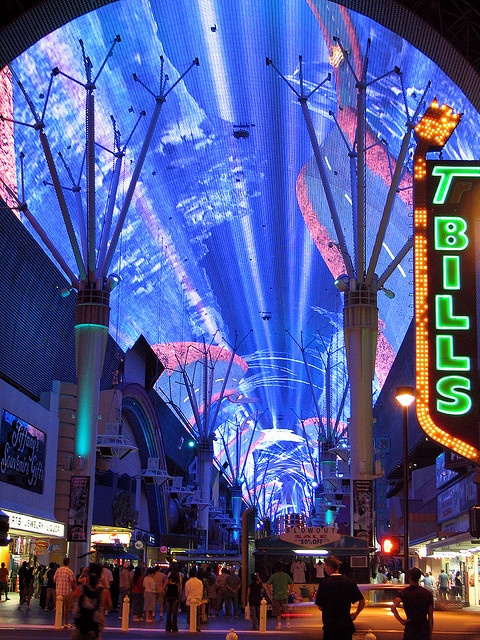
(405, 396)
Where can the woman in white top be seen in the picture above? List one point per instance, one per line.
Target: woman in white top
(150, 596)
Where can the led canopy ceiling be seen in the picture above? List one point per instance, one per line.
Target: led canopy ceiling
(228, 239)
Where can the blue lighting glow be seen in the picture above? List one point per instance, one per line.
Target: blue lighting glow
(228, 235)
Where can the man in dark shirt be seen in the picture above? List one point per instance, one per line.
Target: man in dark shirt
(50, 600)
(232, 585)
(418, 607)
(335, 595)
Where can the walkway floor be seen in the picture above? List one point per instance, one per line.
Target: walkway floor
(37, 618)
(38, 624)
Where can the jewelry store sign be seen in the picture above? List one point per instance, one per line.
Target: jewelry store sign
(310, 536)
(39, 526)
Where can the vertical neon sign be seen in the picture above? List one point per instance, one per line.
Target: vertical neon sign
(447, 204)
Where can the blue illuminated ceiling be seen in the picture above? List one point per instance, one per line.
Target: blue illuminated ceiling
(228, 237)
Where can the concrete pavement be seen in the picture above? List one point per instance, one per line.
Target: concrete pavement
(38, 624)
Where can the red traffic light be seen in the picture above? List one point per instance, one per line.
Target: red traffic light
(390, 545)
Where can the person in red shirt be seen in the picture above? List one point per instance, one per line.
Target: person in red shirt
(137, 595)
(65, 584)
(4, 581)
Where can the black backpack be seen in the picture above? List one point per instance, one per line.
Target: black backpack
(86, 610)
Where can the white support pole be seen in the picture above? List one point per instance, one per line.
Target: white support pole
(58, 622)
(205, 465)
(91, 333)
(125, 613)
(263, 616)
(360, 329)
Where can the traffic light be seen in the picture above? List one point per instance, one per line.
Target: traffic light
(4, 526)
(390, 545)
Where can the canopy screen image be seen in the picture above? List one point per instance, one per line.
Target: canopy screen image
(228, 254)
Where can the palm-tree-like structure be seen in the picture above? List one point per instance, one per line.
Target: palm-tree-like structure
(264, 493)
(237, 438)
(93, 241)
(360, 283)
(325, 434)
(206, 373)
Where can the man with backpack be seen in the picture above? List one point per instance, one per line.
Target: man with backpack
(92, 600)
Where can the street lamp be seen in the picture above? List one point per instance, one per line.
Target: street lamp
(405, 396)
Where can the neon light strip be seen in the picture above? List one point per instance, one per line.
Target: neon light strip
(422, 392)
(432, 131)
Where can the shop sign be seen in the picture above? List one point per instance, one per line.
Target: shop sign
(31, 524)
(456, 499)
(22, 453)
(447, 208)
(41, 546)
(106, 537)
(310, 536)
(450, 555)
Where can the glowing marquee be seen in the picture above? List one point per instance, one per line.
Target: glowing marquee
(447, 204)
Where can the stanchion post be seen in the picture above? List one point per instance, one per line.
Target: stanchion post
(58, 624)
(262, 627)
(193, 617)
(125, 613)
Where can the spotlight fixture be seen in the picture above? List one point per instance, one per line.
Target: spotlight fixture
(154, 475)
(113, 280)
(388, 292)
(342, 282)
(241, 130)
(241, 133)
(66, 291)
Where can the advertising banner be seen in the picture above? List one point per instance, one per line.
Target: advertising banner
(78, 514)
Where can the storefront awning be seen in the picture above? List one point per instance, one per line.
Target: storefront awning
(34, 525)
(118, 555)
(114, 552)
(453, 543)
(207, 559)
(346, 546)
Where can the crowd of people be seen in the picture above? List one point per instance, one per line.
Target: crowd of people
(155, 590)
(444, 586)
(155, 593)
(158, 592)
(336, 593)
